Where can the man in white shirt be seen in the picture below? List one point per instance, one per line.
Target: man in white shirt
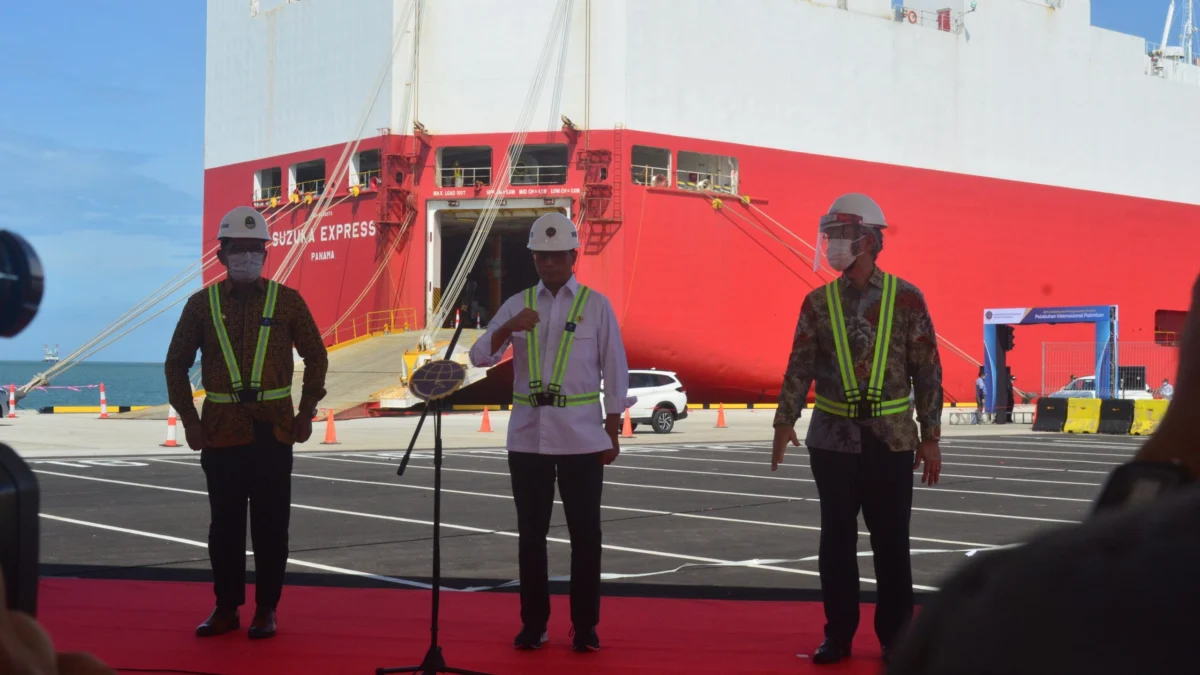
(558, 429)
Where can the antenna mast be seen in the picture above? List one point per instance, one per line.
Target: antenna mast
(1188, 32)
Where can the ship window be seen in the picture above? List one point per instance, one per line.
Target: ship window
(364, 169)
(267, 184)
(308, 177)
(710, 173)
(1168, 325)
(650, 166)
(540, 165)
(465, 166)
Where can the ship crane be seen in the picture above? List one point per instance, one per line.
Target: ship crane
(1185, 51)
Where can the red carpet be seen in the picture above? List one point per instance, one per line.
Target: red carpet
(133, 624)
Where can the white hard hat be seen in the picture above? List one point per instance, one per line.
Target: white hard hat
(244, 222)
(854, 208)
(553, 232)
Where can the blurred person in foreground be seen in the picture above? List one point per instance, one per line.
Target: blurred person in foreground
(1117, 594)
(26, 649)
(867, 340)
(246, 328)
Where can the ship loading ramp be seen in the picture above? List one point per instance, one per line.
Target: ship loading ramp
(367, 375)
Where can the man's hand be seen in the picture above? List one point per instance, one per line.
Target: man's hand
(932, 455)
(302, 426)
(612, 427)
(783, 434)
(194, 434)
(26, 648)
(527, 320)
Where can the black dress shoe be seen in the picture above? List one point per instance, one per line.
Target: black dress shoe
(221, 621)
(263, 625)
(831, 651)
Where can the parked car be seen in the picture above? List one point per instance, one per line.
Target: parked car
(661, 399)
(1085, 387)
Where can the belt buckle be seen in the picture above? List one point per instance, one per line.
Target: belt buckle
(542, 399)
(560, 401)
(863, 409)
(247, 395)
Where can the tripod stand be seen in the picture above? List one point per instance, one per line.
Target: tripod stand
(433, 382)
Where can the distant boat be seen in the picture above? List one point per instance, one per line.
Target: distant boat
(48, 355)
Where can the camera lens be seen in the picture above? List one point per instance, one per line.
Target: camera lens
(21, 284)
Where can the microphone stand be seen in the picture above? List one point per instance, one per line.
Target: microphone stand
(434, 662)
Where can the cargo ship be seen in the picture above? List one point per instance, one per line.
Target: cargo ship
(400, 148)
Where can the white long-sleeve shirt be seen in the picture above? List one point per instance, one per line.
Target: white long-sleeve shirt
(597, 354)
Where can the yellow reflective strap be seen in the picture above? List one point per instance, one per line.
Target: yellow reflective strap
(269, 395)
(883, 338)
(535, 352)
(568, 340)
(264, 333)
(847, 410)
(567, 401)
(214, 305)
(841, 341)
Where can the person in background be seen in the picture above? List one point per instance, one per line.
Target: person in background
(864, 338)
(566, 343)
(1167, 390)
(246, 328)
(1113, 595)
(980, 397)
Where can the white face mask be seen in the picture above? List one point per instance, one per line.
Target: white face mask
(246, 267)
(840, 254)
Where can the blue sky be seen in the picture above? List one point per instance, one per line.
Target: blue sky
(101, 154)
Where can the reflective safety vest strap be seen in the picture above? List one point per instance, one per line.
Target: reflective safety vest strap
(558, 400)
(883, 335)
(268, 395)
(551, 394)
(841, 342)
(832, 407)
(535, 353)
(260, 352)
(568, 339)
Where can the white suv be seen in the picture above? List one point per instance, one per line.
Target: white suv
(661, 399)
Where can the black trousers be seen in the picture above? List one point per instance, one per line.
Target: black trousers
(880, 482)
(259, 474)
(580, 479)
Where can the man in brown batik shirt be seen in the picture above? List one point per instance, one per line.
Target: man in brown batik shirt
(867, 340)
(246, 328)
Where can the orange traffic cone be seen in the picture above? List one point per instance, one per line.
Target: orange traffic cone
(486, 425)
(627, 430)
(721, 416)
(330, 431)
(103, 403)
(12, 401)
(171, 430)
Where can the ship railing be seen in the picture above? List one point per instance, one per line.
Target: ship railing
(311, 186)
(548, 174)
(465, 176)
(1171, 65)
(363, 178)
(266, 193)
(377, 322)
(945, 20)
(711, 182)
(657, 176)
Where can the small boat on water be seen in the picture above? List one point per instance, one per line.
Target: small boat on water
(50, 355)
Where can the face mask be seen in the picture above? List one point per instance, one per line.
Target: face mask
(246, 267)
(840, 254)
